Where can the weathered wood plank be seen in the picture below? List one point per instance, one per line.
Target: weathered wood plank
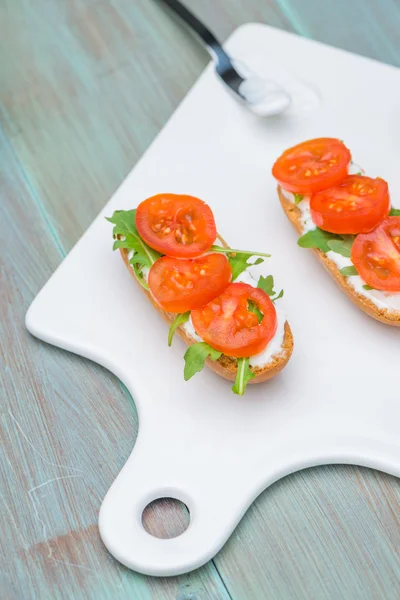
(325, 533)
(361, 26)
(92, 104)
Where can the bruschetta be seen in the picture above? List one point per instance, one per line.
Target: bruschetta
(204, 290)
(346, 217)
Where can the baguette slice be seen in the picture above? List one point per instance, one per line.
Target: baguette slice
(388, 316)
(224, 366)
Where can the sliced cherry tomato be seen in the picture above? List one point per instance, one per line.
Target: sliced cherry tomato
(227, 324)
(312, 166)
(179, 285)
(356, 205)
(176, 225)
(376, 255)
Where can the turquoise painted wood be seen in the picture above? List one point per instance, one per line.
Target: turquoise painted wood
(85, 87)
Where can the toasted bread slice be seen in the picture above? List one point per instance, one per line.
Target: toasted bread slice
(225, 366)
(388, 316)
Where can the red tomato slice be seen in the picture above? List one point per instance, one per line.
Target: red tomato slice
(176, 225)
(179, 285)
(312, 166)
(227, 324)
(356, 205)
(376, 255)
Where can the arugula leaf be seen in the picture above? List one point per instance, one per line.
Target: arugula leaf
(394, 212)
(258, 261)
(266, 284)
(120, 244)
(368, 287)
(349, 271)
(230, 251)
(252, 307)
(195, 357)
(139, 273)
(125, 226)
(317, 238)
(298, 198)
(342, 246)
(325, 241)
(243, 376)
(240, 262)
(179, 320)
(239, 259)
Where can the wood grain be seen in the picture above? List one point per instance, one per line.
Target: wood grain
(85, 88)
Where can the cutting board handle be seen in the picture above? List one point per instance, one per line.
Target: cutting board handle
(215, 508)
(216, 498)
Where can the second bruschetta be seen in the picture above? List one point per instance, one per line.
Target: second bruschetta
(347, 219)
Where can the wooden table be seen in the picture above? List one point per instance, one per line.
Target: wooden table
(85, 86)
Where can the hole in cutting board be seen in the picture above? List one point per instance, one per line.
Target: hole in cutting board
(166, 518)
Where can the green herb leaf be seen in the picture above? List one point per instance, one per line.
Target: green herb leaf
(266, 284)
(368, 287)
(359, 173)
(278, 296)
(125, 226)
(121, 244)
(179, 320)
(230, 251)
(317, 238)
(342, 246)
(238, 264)
(325, 241)
(298, 198)
(349, 271)
(257, 262)
(243, 376)
(252, 307)
(195, 357)
(394, 212)
(239, 259)
(139, 274)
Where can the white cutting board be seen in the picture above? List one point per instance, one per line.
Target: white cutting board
(338, 400)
